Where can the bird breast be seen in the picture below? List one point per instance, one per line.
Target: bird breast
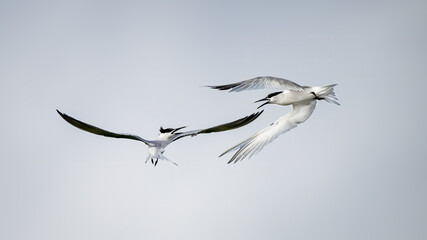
(154, 152)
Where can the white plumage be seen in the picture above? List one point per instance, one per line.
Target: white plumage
(166, 136)
(302, 98)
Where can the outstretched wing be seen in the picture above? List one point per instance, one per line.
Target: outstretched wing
(98, 131)
(220, 128)
(260, 83)
(256, 143)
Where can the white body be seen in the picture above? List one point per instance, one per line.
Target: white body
(156, 148)
(303, 100)
(288, 97)
(155, 151)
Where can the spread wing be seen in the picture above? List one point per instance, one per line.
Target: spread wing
(98, 131)
(220, 128)
(260, 83)
(256, 143)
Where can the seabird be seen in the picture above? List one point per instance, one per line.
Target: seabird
(156, 148)
(302, 98)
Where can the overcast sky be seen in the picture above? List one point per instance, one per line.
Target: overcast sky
(355, 171)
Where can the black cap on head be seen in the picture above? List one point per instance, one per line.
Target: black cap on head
(273, 94)
(162, 130)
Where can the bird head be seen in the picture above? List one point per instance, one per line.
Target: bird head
(170, 130)
(165, 130)
(167, 133)
(269, 99)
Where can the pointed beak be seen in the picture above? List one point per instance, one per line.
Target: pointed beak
(177, 129)
(264, 99)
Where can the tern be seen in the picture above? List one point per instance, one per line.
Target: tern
(166, 136)
(302, 98)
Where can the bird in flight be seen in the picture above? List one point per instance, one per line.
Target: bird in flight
(166, 136)
(302, 98)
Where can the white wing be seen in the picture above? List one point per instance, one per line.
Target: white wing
(255, 143)
(260, 83)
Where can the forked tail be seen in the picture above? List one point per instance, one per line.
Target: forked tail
(327, 93)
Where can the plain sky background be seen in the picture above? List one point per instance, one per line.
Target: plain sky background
(356, 171)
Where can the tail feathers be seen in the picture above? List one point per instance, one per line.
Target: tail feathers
(327, 93)
(155, 158)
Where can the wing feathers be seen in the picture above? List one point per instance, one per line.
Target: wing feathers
(260, 83)
(98, 131)
(257, 142)
(232, 125)
(223, 127)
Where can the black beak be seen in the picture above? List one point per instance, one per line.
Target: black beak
(264, 99)
(177, 129)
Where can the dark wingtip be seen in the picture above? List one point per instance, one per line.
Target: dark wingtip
(224, 87)
(216, 87)
(63, 115)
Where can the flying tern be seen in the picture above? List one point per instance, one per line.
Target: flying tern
(166, 136)
(302, 98)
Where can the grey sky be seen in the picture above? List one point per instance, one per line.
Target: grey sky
(350, 172)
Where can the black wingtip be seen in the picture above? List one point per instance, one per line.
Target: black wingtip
(225, 87)
(213, 87)
(63, 115)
